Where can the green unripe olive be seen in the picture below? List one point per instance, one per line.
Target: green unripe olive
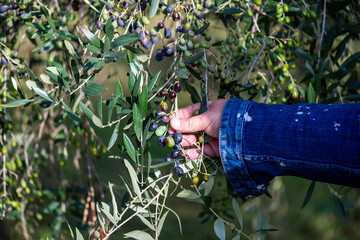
(249, 12)
(39, 216)
(295, 94)
(170, 141)
(4, 150)
(287, 19)
(196, 112)
(258, 2)
(196, 45)
(286, 74)
(13, 143)
(297, 44)
(188, 54)
(247, 45)
(286, 7)
(160, 131)
(282, 57)
(227, 81)
(195, 180)
(291, 87)
(254, 45)
(279, 10)
(290, 43)
(283, 100)
(280, 20)
(284, 68)
(281, 79)
(292, 66)
(313, 14)
(182, 65)
(201, 139)
(270, 63)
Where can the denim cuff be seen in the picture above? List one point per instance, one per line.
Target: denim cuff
(231, 152)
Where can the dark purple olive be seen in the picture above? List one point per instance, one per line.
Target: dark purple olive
(143, 6)
(167, 33)
(180, 29)
(170, 9)
(172, 94)
(165, 118)
(108, 7)
(163, 92)
(4, 8)
(141, 35)
(177, 87)
(154, 39)
(159, 58)
(99, 25)
(4, 61)
(168, 50)
(175, 154)
(153, 126)
(162, 141)
(121, 22)
(176, 16)
(199, 15)
(179, 171)
(113, 18)
(177, 147)
(178, 137)
(159, 114)
(187, 7)
(22, 11)
(161, 25)
(146, 43)
(125, 4)
(160, 52)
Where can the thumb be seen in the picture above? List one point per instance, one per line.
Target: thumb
(188, 125)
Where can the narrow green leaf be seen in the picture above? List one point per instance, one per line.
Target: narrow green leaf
(93, 49)
(202, 29)
(86, 110)
(99, 108)
(188, 194)
(114, 136)
(182, 73)
(148, 165)
(17, 103)
(134, 178)
(310, 94)
(97, 121)
(308, 194)
(109, 30)
(143, 101)
(219, 229)
(137, 121)
(71, 114)
(113, 199)
(79, 236)
(153, 81)
(194, 94)
(237, 212)
(107, 46)
(129, 147)
(94, 40)
(230, 11)
(51, 23)
(43, 94)
(123, 40)
(339, 205)
(154, 7)
(161, 223)
(138, 235)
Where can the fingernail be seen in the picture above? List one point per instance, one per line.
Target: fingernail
(175, 123)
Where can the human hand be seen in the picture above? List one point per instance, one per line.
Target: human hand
(208, 122)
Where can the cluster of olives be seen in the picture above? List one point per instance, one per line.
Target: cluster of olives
(171, 140)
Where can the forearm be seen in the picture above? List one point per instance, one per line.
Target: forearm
(313, 141)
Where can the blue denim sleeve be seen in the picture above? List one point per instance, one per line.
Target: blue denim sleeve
(314, 141)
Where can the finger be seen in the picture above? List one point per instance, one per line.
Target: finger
(195, 153)
(189, 139)
(188, 125)
(186, 112)
(214, 144)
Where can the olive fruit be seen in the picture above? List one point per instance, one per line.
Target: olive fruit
(168, 50)
(170, 141)
(170, 9)
(175, 153)
(206, 178)
(179, 171)
(165, 119)
(164, 106)
(161, 25)
(196, 112)
(161, 141)
(153, 126)
(177, 87)
(3, 8)
(159, 114)
(195, 180)
(172, 94)
(176, 16)
(99, 25)
(178, 137)
(167, 33)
